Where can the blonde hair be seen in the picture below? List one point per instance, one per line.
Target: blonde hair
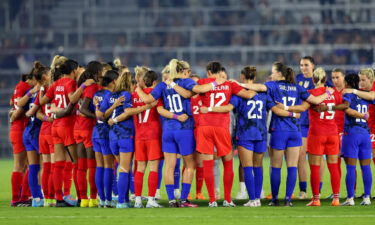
(140, 71)
(319, 76)
(369, 73)
(177, 66)
(125, 82)
(57, 61)
(121, 68)
(165, 70)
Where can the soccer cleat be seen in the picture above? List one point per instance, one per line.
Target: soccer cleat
(93, 203)
(302, 195)
(258, 203)
(115, 198)
(348, 202)
(69, 199)
(212, 205)
(274, 203)
(187, 204)
(153, 204)
(138, 204)
(288, 203)
(84, 203)
(37, 202)
(314, 202)
(47, 202)
(132, 197)
(63, 203)
(335, 202)
(102, 204)
(177, 193)
(269, 196)
(241, 195)
(110, 204)
(157, 194)
(366, 201)
(250, 203)
(122, 206)
(228, 204)
(200, 196)
(174, 204)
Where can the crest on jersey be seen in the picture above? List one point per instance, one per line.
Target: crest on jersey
(301, 83)
(306, 85)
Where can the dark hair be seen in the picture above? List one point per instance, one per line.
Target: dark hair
(223, 69)
(214, 67)
(109, 76)
(195, 75)
(338, 70)
(68, 67)
(250, 72)
(285, 71)
(150, 77)
(310, 58)
(84, 76)
(95, 68)
(39, 70)
(24, 77)
(352, 80)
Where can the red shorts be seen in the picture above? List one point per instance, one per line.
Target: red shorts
(46, 144)
(83, 136)
(17, 142)
(63, 135)
(209, 137)
(148, 150)
(323, 145)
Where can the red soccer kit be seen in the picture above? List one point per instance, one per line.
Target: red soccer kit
(213, 129)
(62, 128)
(45, 135)
(371, 120)
(17, 126)
(323, 135)
(147, 131)
(84, 126)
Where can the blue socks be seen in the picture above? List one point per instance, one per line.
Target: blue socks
(177, 174)
(367, 179)
(290, 182)
(249, 182)
(258, 181)
(303, 186)
(123, 187)
(160, 172)
(35, 188)
(350, 180)
(108, 183)
(99, 182)
(185, 191)
(170, 191)
(275, 182)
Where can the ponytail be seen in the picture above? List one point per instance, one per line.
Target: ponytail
(286, 72)
(175, 67)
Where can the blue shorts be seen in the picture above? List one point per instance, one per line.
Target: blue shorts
(101, 145)
(356, 146)
(281, 140)
(31, 144)
(178, 141)
(122, 145)
(304, 131)
(255, 146)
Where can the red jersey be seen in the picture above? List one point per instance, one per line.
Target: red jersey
(45, 129)
(218, 96)
(339, 114)
(323, 123)
(371, 110)
(195, 103)
(147, 123)
(19, 91)
(59, 93)
(83, 122)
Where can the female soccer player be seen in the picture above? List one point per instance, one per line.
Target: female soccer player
(356, 141)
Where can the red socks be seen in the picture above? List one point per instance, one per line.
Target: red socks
(25, 193)
(51, 189)
(45, 177)
(152, 183)
(335, 177)
(208, 173)
(228, 179)
(57, 181)
(199, 179)
(16, 181)
(138, 183)
(315, 179)
(81, 178)
(91, 164)
(75, 169)
(67, 177)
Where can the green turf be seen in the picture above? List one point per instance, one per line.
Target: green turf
(299, 214)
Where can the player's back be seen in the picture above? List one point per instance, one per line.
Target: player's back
(353, 124)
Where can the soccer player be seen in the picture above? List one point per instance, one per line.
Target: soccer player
(356, 142)
(147, 142)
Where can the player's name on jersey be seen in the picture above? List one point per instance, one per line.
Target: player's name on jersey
(137, 100)
(288, 88)
(221, 88)
(60, 88)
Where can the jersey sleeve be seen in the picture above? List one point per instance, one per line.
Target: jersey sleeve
(160, 103)
(89, 91)
(105, 104)
(235, 87)
(347, 98)
(21, 90)
(51, 92)
(188, 84)
(303, 93)
(158, 90)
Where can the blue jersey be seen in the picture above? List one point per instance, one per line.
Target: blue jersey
(101, 128)
(289, 95)
(123, 129)
(251, 116)
(175, 103)
(34, 124)
(356, 125)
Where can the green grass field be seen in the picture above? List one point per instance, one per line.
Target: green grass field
(298, 214)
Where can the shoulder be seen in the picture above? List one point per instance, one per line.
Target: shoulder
(205, 80)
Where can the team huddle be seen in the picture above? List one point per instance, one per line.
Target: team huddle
(100, 127)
